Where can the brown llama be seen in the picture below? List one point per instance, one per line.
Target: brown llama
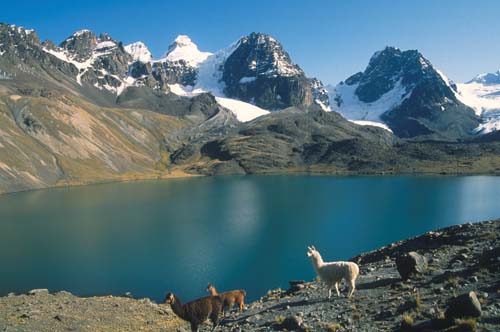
(197, 311)
(229, 298)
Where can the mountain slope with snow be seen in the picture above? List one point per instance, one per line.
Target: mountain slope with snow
(483, 94)
(402, 90)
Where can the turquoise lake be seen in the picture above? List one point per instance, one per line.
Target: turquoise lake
(242, 232)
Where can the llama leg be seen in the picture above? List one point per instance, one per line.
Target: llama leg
(214, 317)
(337, 288)
(329, 292)
(352, 282)
(241, 305)
(194, 327)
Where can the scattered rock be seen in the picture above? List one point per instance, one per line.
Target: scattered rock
(291, 323)
(410, 264)
(41, 291)
(295, 286)
(465, 305)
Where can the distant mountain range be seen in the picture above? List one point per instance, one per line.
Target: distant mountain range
(92, 109)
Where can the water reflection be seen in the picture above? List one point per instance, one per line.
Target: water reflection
(237, 232)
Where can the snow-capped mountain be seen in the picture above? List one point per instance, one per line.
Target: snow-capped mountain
(482, 93)
(403, 90)
(184, 50)
(251, 77)
(400, 90)
(139, 52)
(100, 61)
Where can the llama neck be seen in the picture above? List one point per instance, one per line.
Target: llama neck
(178, 308)
(213, 291)
(317, 261)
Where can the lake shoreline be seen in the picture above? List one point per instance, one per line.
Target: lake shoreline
(461, 258)
(184, 174)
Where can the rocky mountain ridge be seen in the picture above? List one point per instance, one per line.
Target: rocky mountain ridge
(93, 110)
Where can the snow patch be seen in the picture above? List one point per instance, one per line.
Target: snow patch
(323, 106)
(371, 123)
(105, 45)
(245, 80)
(354, 109)
(244, 111)
(81, 32)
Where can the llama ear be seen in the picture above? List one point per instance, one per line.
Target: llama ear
(313, 248)
(309, 248)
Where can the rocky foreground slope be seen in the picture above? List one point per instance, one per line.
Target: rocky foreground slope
(460, 259)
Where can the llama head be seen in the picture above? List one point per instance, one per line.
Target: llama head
(170, 298)
(311, 251)
(209, 287)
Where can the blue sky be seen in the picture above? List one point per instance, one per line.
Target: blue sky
(328, 39)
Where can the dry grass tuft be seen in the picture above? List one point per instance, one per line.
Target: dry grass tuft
(332, 327)
(407, 322)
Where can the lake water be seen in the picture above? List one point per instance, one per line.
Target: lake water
(246, 232)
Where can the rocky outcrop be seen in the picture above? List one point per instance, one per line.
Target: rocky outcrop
(410, 264)
(320, 93)
(464, 306)
(260, 71)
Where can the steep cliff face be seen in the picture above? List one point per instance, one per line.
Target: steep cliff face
(260, 71)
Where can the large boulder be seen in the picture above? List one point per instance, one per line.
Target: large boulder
(410, 264)
(465, 305)
(292, 323)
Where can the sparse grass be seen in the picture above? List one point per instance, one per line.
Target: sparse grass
(489, 236)
(418, 301)
(332, 327)
(466, 325)
(407, 322)
(454, 281)
(279, 319)
(440, 313)
(356, 316)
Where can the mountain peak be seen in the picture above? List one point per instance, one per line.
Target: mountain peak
(183, 49)
(81, 32)
(182, 40)
(139, 51)
(19, 29)
(487, 78)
